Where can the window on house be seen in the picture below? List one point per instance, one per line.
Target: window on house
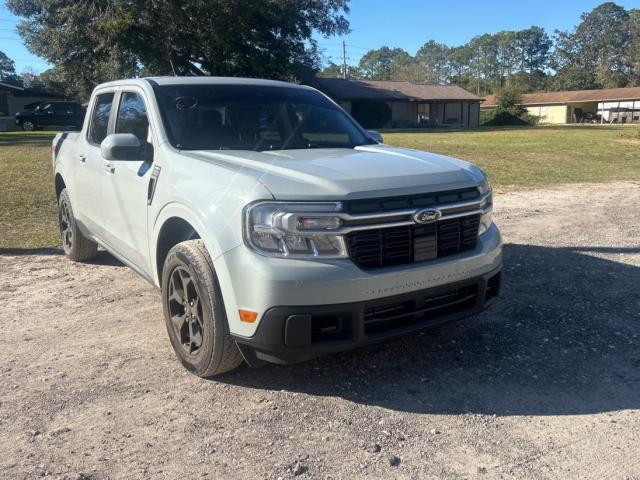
(4, 105)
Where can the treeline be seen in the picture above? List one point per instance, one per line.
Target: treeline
(603, 51)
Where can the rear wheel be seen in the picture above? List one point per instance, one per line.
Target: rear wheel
(76, 246)
(194, 312)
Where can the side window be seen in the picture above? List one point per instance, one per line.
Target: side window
(100, 118)
(132, 116)
(63, 109)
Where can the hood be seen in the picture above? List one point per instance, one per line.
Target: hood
(342, 174)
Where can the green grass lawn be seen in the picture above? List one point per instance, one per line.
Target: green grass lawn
(531, 157)
(513, 158)
(28, 213)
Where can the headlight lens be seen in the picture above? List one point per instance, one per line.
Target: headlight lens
(485, 186)
(294, 230)
(486, 220)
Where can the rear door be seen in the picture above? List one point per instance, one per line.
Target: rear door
(125, 183)
(63, 115)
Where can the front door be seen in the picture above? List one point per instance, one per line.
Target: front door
(43, 116)
(86, 191)
(125, 184)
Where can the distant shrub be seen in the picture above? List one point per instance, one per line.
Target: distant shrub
(371, 113)
(402, 123)
(508, 111)
(497, 119)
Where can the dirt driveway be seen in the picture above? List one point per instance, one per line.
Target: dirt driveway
(546, 385)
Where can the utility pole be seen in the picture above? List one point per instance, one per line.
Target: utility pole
(344, 59)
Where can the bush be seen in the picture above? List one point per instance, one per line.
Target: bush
(509, 111)
(497, 119)
(371, 113)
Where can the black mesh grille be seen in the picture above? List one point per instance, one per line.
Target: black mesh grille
(385, 247)
(424, 308)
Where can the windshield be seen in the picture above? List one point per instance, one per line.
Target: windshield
(251, 117)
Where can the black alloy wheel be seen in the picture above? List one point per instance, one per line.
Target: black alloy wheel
(185, 310)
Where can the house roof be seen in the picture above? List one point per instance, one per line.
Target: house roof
(389, 90)
(19, 91)
(546, 98)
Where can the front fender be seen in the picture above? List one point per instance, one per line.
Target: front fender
(188, 214)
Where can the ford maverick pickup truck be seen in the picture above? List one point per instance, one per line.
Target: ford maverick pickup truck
(275, 226)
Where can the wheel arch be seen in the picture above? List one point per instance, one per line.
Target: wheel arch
(174, 230)
(177, 223)
(59, 184)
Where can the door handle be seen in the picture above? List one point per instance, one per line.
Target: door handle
(82, 157)
(108, 167)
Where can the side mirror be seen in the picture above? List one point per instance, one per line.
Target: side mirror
(374, 135)
(120, 146)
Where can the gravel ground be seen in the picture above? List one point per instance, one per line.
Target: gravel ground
(545, 385)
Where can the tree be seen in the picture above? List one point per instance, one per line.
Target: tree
(7, 67)
(594, 54)
(533, 45)
(332, 70)
(633, 50)
(432, 62)
(383, 63)
(509, 110)
(90, 42)
(459, 60)
(484, 62)
(29, 78)
(507, 56)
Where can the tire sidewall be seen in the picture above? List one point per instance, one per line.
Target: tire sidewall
(64, 199)
(208, 352)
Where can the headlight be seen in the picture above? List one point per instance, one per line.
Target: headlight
(486, 220)
(294, 230)
(485, 186)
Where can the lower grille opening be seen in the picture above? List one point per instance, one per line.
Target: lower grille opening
(493, 287)
(423, 309)
(330, 328)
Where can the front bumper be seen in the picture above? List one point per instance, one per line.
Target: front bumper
(297, 333)
(278, 288)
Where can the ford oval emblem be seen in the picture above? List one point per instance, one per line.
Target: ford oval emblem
(427, 215)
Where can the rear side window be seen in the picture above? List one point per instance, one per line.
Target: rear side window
(100, 117)
(63, 108)
(132, 116)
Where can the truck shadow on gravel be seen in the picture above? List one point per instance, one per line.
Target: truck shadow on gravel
(563, 340)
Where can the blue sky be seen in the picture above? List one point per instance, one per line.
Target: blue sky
(398, 23)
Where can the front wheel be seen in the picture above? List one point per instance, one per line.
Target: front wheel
(194, 312)
(28, 126)
(76, 246)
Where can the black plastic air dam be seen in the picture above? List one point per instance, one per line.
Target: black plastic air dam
(293, 334)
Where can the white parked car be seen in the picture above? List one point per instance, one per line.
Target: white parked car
(277, 228)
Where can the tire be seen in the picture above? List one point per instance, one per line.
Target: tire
(28, 126)
(76, 246)
(194, 312)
